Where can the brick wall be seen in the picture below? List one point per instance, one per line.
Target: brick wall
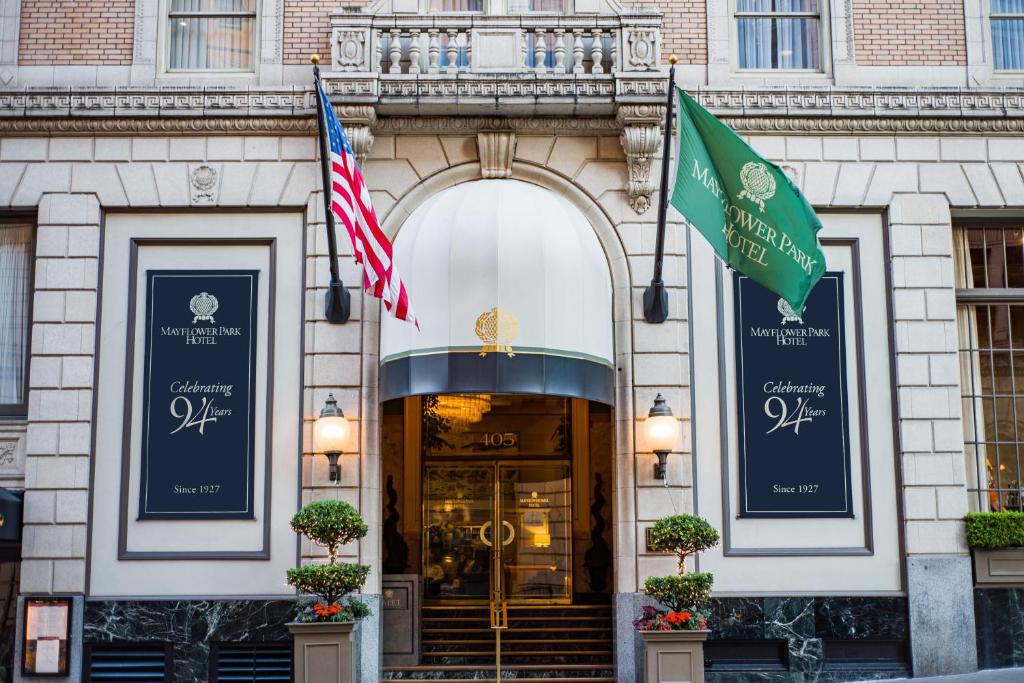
(927, 32)
(684, 31)
(82, 32)
(307, 28)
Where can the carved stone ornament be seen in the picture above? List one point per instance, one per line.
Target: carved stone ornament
(496, 151)
(204, 181)
(641, 48)
(7, 453)
(641, 138)
(351, 50)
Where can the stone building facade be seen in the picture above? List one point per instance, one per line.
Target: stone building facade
(905, 132)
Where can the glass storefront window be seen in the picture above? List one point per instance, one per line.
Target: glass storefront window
(990, 319)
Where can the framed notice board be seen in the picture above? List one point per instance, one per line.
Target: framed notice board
(792, 402)
(199, 394)
(47, 637)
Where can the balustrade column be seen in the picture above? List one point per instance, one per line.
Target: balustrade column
(414, 51)
(597, 52)
(539, 52)
(395, 52)
(577, 51)
(453, 51)
(559, 51)
(433, 51)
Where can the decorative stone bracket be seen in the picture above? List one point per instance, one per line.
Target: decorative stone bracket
(358, 120)
(641, 138)
(496, 151)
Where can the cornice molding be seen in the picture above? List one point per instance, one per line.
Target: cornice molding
(290, 110)
(398, 125)
(872, 125)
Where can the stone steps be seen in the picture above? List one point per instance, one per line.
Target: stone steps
(559, 643)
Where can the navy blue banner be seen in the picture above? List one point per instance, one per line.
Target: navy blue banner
(199, 395)
(794, 442)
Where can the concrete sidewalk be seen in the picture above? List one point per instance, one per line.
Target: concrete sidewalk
(1015, 675)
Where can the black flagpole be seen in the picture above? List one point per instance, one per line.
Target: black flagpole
(337, 303)
(655, 296)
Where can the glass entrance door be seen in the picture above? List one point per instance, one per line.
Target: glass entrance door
(535, 508)
(512, 518)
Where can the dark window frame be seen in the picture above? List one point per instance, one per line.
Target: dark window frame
(20, 410)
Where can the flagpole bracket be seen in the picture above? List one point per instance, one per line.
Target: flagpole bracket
(337, 303)
(656, 302)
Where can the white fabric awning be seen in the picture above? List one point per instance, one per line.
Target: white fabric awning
(513, 294)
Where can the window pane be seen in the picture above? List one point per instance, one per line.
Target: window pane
(1008, 44)
(992, 385)
(216, 6)
(15, 267)
(455, 6)
(778, 6)
(767, 43)
(211, 42)
(518, 6)
(1008, 6)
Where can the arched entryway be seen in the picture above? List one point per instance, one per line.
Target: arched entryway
(497, 444)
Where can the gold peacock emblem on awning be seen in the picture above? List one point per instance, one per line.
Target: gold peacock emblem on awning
(497, 329)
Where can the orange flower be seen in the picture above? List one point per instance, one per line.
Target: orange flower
(677, 617)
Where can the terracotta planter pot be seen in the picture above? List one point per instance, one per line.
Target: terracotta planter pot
(676, 656)
(1005, 566)
(324, 652)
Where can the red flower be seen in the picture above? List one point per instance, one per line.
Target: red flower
(678, 618)
(325, 611)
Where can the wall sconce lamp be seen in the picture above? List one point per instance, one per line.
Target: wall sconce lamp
(662, 431)
(330, 433)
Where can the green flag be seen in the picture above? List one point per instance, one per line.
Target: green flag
(746, 207)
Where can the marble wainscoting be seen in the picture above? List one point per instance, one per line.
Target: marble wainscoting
(817, 639)
(191, 625)
(999, 618)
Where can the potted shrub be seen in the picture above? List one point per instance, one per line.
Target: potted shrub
(679, 627)
(322, 630)
(997, 543)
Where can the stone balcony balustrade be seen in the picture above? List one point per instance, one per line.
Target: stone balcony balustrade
(522, 65)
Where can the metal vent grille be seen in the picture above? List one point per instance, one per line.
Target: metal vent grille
(253, 662)
(136, 663)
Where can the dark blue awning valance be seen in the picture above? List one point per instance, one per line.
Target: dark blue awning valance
(11, 508)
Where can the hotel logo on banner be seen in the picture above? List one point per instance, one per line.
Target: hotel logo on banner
(203, 306)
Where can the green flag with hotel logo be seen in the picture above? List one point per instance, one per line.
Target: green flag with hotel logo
(746, 207)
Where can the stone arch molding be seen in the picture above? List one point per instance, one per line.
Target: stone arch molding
(618, 266)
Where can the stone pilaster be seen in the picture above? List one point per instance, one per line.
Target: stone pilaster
(939, 580)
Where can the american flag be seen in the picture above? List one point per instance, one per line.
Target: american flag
(350, 204)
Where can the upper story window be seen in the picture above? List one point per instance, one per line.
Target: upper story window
(526, 6)
(1007, 17)
(455, 5)
(15, 296)
(990, 320)
(211, 35)
(779, 34)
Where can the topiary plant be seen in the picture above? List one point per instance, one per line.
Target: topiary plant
(685, 595)
(683, 535)
(331, 524)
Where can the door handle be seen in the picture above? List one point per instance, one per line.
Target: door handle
(505, 524)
